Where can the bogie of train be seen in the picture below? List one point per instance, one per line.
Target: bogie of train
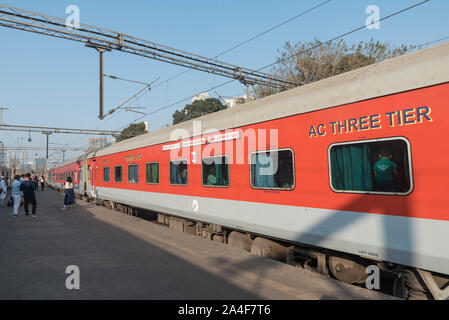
(354, 166)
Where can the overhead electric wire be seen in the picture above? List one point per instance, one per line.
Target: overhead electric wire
(284, 59)
(123, 79)
(345, 34)
(246, 41)
(252, 38)
(431, 42)
(95, 37)
(226, 51)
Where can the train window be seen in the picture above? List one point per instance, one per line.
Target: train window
(133, 173)
(118, 174)
(178, 172)
(215, 171)
(273, 169)
(381, 166)
(152, 173)
(106, 176)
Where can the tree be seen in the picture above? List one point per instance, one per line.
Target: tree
(197, 109)
(133, 130)
(308, 62)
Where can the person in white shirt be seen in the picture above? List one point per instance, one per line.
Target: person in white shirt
(3, 190)
(16, 194)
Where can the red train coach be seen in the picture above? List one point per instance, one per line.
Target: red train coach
(355, 164)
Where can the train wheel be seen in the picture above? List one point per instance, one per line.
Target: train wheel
(270, 249)
(346, 270)
(240, 240)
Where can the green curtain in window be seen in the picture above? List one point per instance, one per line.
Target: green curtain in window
(154, 173)
(351, 168)
(219, 175)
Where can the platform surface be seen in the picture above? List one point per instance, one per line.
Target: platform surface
(125, 257)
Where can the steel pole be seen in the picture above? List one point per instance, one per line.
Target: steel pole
(101, 111)
(47, 147)
(47, 134)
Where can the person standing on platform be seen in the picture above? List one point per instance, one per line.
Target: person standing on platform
(28, 194)
(16, 194)
(42, 183)
(3, 190)
(69, 197)
(35, 184)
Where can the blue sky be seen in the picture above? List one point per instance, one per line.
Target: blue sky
(53, 82)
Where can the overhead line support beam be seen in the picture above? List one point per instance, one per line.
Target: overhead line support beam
(43, 24)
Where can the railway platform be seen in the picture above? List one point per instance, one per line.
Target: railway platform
(125, 257)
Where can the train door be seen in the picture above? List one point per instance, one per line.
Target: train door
(94, 179)
(83, 174)
(88, 183)
(81, 182)
(76, 180)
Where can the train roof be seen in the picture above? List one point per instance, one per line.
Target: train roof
(415, 70)
(84, 156)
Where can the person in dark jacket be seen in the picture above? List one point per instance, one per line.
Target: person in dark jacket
(28, 194)
(35, 184)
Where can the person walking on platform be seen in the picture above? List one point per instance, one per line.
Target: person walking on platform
(28, 194)
(69, 197)
(3, 190)
(42, 183)
(16, 194)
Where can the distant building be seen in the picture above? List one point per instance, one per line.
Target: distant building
(28, 166)
(23, 161)
(97, 143)
(201, 96)
(230, 103)
(3, 155)
(39, 164)
(11, 159)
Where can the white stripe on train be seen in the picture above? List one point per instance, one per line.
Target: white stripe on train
(413, 242)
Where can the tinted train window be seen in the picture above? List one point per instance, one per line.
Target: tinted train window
(381, 166)
(106, 177)
(133, 173)
(118, 174)
(178, 172)
(272, 170)
(215, 171)
(152, 173)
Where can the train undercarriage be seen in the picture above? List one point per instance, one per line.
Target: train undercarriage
(396, 280)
